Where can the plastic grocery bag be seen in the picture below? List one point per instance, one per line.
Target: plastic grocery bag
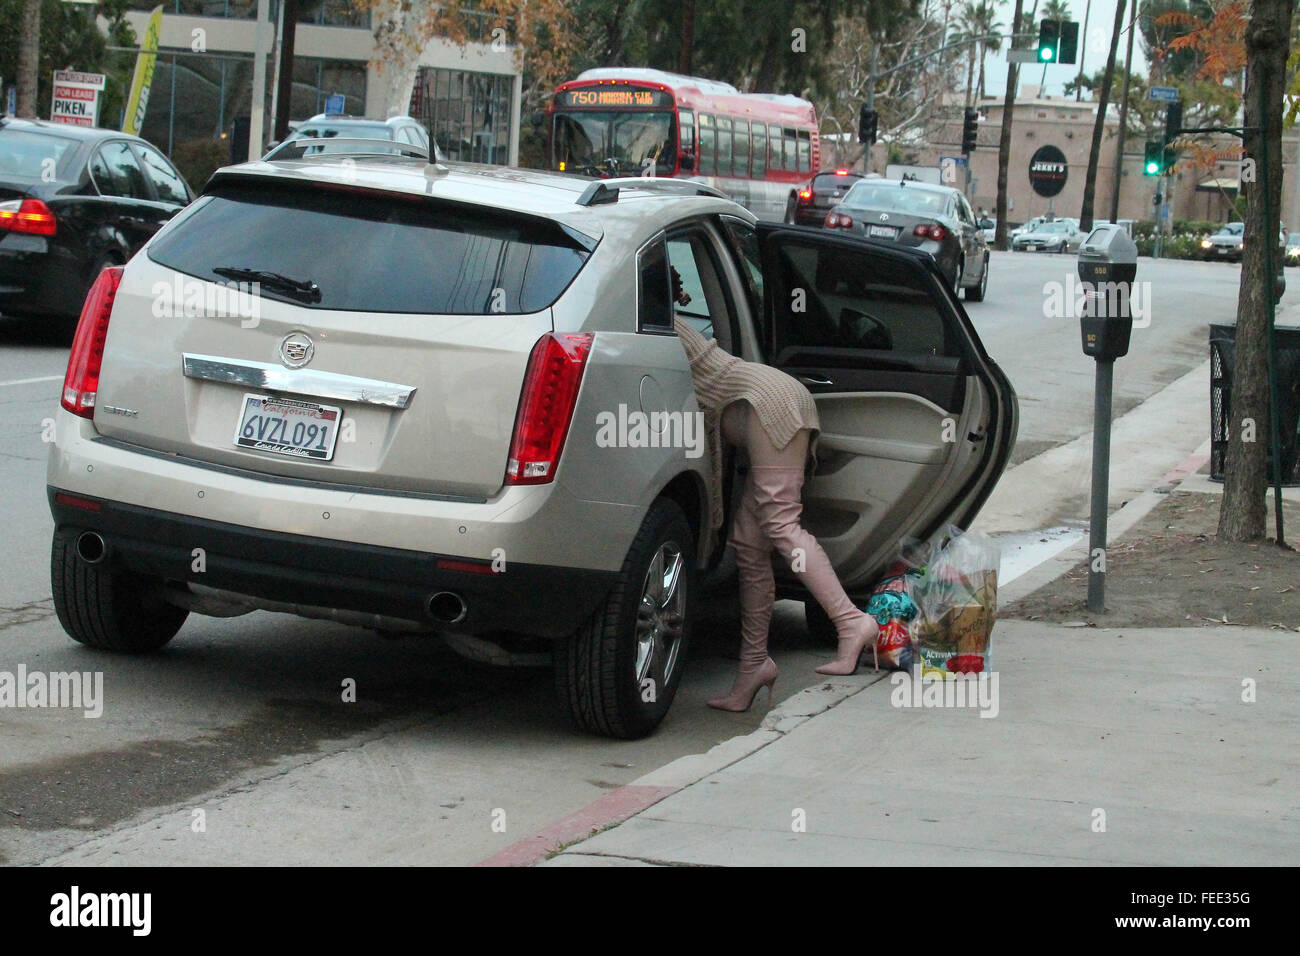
(893, 605)
(957, 604)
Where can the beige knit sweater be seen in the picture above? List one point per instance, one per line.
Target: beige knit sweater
(782, 403)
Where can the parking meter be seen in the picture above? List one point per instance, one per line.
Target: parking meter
(1107, 267)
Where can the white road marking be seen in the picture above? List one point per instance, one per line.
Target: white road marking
(31, 381)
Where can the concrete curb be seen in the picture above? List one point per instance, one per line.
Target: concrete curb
(644, 792)
(1117, 525)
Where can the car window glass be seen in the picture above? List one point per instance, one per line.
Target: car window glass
(805, 151)
(422, 257)
(28, 153)
(119, 173)
(831, 297)
(654, 299)
(760, 150)
(166, 182)
(774, 136)
(744, 244)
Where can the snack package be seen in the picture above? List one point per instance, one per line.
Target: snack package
(957, 607)
(893, 605)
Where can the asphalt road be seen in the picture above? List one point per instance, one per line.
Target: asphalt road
(243, 719)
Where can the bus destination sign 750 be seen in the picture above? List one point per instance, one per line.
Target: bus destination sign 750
(624, 96)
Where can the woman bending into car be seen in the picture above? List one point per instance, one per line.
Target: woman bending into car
(771, 416)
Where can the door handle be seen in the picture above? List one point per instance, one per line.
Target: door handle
(815, 380)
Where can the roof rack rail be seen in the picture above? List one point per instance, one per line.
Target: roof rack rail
(606, 190)
(350, 147)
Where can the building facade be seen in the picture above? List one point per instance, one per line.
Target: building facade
(1201, 193)
(467, 96)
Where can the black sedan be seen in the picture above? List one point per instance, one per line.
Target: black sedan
(935, 219)
(811, 204)
(73, 200)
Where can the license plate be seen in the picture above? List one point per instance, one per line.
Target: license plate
(1223, 251)
(1031, 248)
(288, 427)
(882, 232)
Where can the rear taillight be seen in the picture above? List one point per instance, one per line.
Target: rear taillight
(836, 220)
(82, 381)
(805, 194)
(27, 215)
(546, 406)
(936, 232)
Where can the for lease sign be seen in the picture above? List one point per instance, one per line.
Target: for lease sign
(76, 97)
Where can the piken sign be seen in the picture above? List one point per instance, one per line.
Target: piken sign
(76, 97)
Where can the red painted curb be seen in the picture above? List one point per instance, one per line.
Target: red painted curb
(614, 807)
(1189, 466)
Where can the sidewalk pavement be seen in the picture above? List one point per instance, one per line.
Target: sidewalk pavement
(1120, 746)
(1128, 746)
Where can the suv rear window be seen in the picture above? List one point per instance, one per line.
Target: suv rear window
(377, 253)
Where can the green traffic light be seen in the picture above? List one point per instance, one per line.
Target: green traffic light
(1153, 168)
(1046, 54)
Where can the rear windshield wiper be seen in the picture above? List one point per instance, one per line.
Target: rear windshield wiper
(302, 289)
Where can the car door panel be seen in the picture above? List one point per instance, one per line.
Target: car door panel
(916, 421)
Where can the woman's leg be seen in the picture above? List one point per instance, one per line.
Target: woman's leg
(757, 592)
(777, 476)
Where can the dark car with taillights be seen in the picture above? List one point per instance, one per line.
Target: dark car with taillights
(935, 219)
(72, 201)
(823, 192)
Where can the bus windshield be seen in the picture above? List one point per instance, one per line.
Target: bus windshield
(597, 143)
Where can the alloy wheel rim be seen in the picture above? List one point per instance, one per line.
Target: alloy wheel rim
(660, 616)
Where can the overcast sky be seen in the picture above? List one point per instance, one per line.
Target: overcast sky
(1094, 44)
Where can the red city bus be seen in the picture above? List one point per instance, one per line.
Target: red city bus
(758, 148)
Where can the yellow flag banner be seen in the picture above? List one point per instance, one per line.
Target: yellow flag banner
(138, 101)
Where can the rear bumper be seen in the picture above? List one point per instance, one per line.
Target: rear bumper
(35, 279)
(337, 575)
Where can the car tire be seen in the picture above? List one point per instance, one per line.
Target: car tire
(617, 675)
(106, 608)
(976, 293)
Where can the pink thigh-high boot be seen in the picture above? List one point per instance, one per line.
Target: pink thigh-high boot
(757, 592)
(774, 491)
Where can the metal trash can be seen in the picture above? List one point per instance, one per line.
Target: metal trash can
(1222, 338)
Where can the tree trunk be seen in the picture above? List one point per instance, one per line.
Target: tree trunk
(1242, 512)
(970, 74)
(1004, 139)
(1099, 127)
(684, 60)
(29, 57)
(284, 82)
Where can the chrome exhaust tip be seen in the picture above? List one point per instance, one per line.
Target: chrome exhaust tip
(91, 547)
(447, 607)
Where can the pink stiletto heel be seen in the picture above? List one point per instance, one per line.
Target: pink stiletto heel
(743, 693)
(850, 650)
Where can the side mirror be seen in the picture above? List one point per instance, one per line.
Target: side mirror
(271, 145)
(686, 161)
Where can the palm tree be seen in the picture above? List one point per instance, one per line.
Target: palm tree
(965, 26)
(987, 26)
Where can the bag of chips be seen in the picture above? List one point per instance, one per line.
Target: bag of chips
(893, 605)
